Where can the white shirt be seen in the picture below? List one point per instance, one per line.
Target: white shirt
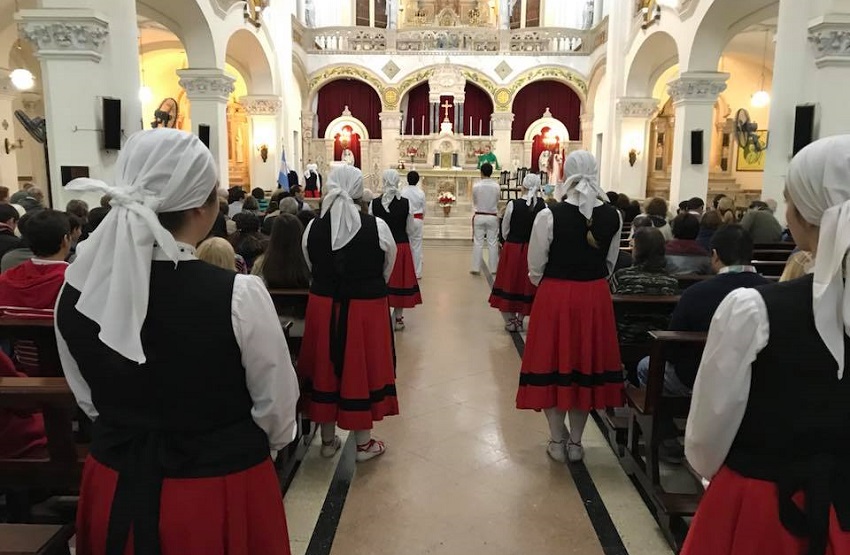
(416, 197)
(271, 378)
(739, 330)
(485, 196)
(542, 235)
(385, 241)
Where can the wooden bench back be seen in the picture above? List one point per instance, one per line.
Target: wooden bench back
(662, 341)
(41, 333)
(632, 353)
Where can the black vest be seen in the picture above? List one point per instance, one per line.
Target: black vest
(796, 429)
(396, 218)
(570, 255)
(522, 220)
(185, 412)
(313, 182)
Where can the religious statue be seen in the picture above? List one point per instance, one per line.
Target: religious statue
(557, 173)
(543, 162)
(488, 158)
(348, 157)
(506, 8)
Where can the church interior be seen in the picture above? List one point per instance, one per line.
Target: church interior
(674, 99)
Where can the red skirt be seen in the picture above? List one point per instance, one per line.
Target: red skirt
(740, 516)
(512, 290)
(572, 358)
(312, 194)
(366, 391)
(403, 286)
(237, 514)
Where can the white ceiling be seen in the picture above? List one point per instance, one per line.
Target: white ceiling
(750, 45)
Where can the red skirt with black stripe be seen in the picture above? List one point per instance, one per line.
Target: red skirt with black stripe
(237, 514)
(512, 290)
(365, 392)
(572, 357)
(403, 286)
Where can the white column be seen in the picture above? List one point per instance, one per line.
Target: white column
(597, 12)
(503, 123)
(86, 54)
(208, 90)
(264, 121)
(587, 132)
(829, 35)
(694, 95)
(633, 117)
(390, 136)
(8, 161)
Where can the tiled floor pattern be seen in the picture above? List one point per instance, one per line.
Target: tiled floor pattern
(465, 472)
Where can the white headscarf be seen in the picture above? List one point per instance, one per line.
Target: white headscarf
(391, 190)
(345, 184)
(161, 170)
(531, 183)
(819, 186)
(582, 184)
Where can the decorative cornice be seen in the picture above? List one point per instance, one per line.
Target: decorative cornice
(257, 105)
(830, 38)
(697, 87)
(206, 84)
(59, 33)
(637, 107)
(390, 120)
(502, 121)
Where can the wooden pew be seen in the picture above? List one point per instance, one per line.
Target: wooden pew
(769, 268)
(772, 254)
(39, 332)
(287, 299)
(648, 408)
(35, 539)
(784, 245)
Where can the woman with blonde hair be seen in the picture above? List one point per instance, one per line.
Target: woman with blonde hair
(218, 252)
(726, 208)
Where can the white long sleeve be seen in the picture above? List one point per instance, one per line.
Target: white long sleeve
(542, 234)
(265, 356)
(79, 387)
(506, 220)
(304, 239)
(410, 226)
(385, 241)
(614, 248)
(739, 330)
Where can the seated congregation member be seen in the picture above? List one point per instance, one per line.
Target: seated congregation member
(8, 224)
(627, 208)
(655, 213)
(416, 197)
(34, 200)
(235, 200)
(684, 254)
(726, 208)
(76, 233)
(403, 287)
(349, 366)
(251, 206)
(22, 252)
(80, 209)
(306, 216)
(218, 252)
(190, 386)
(513, 292)
(770, 417)
(248, 242)
(696, 206)
(761, 224)
(573, 249)
(260, 196)
(708, 226)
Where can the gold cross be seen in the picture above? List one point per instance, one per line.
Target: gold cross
(447, 106)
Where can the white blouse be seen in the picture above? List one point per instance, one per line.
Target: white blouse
(542, 235)
(270, 375)
(385, 241)
(739, 331)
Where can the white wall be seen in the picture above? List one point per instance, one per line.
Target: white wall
(334, 13)
(563, 13)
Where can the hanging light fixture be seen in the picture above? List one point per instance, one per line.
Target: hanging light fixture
(22, 78)
(761, 97)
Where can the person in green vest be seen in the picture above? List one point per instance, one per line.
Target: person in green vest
(488, 158)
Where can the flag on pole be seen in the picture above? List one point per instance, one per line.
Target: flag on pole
(283, 175)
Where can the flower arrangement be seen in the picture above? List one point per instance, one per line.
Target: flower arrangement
(412, 151)
(446, 199)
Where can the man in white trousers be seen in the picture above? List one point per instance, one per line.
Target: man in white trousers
(485, 222)
(416, 197)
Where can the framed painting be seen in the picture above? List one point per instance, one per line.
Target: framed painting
(752, 159)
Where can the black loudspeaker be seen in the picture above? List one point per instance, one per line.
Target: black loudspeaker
(804, 127)
(696, 147)
(204, 134)
(111, 124)
(70, 173)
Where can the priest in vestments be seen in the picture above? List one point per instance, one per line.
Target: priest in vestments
(488, 158)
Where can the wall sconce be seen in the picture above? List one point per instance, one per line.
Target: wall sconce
(10, 146)
(264, 152)
(633, 156)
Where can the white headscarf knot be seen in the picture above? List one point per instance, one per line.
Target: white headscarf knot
(345, 185)
(161, 170)
(581, 187)
(391, 180)
(819, 186)
(531, 184)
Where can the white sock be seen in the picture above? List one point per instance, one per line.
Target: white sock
(398, 313)
(557, 427)
(328, 432)
(362, 437)
(578, 418)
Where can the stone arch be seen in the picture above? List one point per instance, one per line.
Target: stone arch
(656, 54)
(555, 125)
(597, 73)
(346, 71)
(505, 96)
(470, 74)
(187, 20)
(246, 53)
(336, 126)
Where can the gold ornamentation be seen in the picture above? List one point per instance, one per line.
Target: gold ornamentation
(503, 98)
(562, 74)
(391, 97)
(343, 72)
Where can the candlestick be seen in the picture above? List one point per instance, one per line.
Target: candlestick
(480, 127)
(423, 125)
(469, 131)
(412, 127)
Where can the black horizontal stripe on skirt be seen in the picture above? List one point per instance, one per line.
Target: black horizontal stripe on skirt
(399, 292)
(351, 405)
(502, 294)
(574, 378)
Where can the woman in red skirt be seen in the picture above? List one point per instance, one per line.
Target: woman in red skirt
(182, 366)
(347, 358)
(394, 209)
(513, 293)
(572, 359)
(770, 417)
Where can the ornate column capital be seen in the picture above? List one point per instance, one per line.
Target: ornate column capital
(60, 33)
(630, 107)
(206, 83)
(830, 38)
(502, 121)
(390, 120)
(261, 105)
(698, 87)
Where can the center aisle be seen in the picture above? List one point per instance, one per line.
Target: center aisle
(464, 472)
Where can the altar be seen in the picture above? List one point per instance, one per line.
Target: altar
(437, 180)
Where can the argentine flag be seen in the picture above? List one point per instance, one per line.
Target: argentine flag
(283, 175)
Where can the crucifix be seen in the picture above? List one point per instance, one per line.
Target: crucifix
(446, 106)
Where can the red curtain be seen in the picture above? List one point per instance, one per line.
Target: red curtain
(533, 100)
(443, 100)
(417, 108)
(354, 146)
(479, 107)
(361, 99)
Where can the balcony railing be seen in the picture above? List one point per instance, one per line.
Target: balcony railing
(550, 41)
